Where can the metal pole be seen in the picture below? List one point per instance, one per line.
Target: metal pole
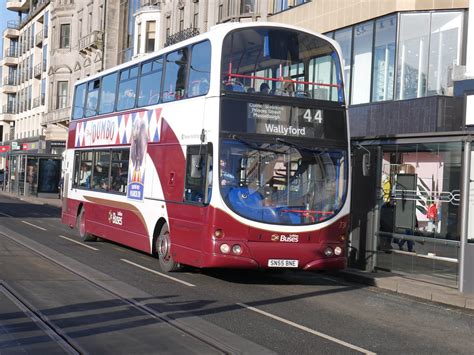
(377, 206)
(465, 185)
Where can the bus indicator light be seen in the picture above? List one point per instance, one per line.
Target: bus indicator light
(218, 233)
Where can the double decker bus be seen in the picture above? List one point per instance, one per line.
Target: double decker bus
(229, 150)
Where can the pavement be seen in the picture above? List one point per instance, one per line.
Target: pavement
(401, 284)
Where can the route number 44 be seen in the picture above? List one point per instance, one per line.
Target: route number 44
(316, 117)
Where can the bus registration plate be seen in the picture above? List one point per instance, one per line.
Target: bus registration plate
(282, 263)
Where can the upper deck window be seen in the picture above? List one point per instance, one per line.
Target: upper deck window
(281, 62)
(127, 88)
(175, 75)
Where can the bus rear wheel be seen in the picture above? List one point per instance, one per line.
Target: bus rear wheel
(81, 226)
(163, 247)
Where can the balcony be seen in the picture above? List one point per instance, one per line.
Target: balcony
(19, 5)
(148, 6)
(181, 36)
(60, 116)
(9, 85)
(91, 42)
(10, 57)
(39, 39)
(40, 5)
(38, 70)
(12, 31)
(38, 101)
(9, 111)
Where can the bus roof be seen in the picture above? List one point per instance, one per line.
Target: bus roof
(215, 32)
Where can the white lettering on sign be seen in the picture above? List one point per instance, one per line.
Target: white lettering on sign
(317, 117)
(283, 130)
(265, 112)
(291, 238)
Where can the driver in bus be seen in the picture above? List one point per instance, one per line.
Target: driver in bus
(227, 178)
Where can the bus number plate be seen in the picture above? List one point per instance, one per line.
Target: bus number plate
(282, 263)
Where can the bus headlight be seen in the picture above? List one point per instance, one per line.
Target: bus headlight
(328, 251)
(338, 251)
(225, 248)
(237, 249)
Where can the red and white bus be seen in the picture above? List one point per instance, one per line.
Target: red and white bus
(229, 149)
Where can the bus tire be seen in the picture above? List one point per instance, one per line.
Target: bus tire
(163, 248)
(81, 226)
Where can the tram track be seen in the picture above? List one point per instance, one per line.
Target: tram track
(41, 321)
(203, 335)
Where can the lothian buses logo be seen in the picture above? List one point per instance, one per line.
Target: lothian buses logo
(291, 238)
(115, 217)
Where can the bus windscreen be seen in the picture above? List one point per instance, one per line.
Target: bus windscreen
(269, 61)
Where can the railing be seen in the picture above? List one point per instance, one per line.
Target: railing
(60, 115)
(181, 36)
(11, 52)
(38, 70)
(39, 38)
(150, 3)
(14, 25)
(9, 80)
(92, 41)
(40, 5)
(9, 108)
(38, 101)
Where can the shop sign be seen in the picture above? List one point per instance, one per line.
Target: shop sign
(4, 148)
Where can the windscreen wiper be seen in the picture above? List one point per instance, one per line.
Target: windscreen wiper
(300, 147)
(253, 145)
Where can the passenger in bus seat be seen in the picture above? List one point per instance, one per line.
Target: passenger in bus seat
(85, 176)
(264, 88)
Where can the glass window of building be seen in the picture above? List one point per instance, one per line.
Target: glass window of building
(61, 100)
(445, 50)
(247, 6)
(196, 15)
(139, 37)
(280, 5)
(200, 69)
(412, 71)
(384, 58)
(344, 38)
(64, 35)
(150, 36)
(181, 19)
(362, 63)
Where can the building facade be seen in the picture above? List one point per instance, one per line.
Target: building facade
(51, 46)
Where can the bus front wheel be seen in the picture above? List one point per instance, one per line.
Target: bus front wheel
(81, 226)
(163, 247)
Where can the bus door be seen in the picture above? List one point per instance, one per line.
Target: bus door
(190, 223)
